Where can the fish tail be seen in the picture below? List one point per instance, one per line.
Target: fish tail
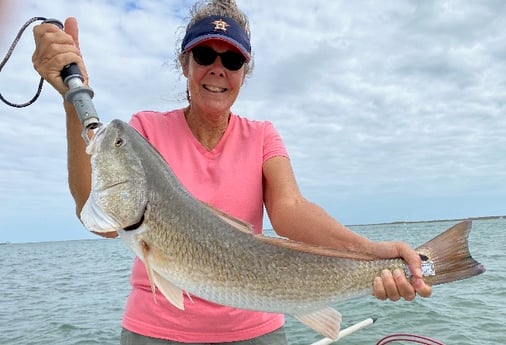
(449, 253)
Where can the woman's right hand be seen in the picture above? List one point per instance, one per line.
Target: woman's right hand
(56, 48)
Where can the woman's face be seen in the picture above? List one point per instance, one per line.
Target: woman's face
(213, 88)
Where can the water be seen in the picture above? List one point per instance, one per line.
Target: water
(74, 293)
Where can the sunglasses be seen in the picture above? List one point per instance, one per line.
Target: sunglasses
(206, 56)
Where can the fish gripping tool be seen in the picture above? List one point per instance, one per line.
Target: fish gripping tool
(78, 94)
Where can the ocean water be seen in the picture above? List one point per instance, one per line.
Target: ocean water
(74, 293)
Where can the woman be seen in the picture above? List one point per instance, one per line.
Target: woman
(213, 146)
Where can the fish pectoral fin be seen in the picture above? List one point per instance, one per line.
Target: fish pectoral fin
(235, 222)
(327, 322)
(172, 293)
(144, 258)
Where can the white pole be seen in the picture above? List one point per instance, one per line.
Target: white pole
(347, 331)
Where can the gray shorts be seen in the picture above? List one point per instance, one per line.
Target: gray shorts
(278, 337)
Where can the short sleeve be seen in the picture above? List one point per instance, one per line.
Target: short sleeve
(273, 144)
(137, 123)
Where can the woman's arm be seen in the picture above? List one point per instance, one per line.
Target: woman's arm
(298, 219)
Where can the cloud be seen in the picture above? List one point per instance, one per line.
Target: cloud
(388, 110)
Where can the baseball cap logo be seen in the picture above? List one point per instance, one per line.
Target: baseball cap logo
(220, 25)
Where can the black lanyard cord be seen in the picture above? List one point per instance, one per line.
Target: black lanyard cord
(8, 55)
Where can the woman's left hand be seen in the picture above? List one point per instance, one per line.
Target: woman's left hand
(394, 285)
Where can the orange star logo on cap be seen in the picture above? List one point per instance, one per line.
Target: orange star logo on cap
(220, 25)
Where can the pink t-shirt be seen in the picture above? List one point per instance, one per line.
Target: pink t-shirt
(228, 177)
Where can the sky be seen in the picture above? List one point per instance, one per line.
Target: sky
(391, 110)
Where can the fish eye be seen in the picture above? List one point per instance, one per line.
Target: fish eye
(119, 142)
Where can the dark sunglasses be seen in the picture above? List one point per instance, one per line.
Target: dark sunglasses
(206, 56)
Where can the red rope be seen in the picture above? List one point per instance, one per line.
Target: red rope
(414, 338)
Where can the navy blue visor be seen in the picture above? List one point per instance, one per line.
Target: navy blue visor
(217, 28)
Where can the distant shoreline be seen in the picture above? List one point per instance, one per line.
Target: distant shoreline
(400, 222)
(431, 221)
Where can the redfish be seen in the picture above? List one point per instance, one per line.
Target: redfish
(189, 247)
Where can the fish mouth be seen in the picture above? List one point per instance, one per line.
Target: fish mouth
(115, 184)
(96, 139)
(111, 185)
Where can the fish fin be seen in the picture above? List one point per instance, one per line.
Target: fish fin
(449, 252)
(235, 222)
(172, 293)
(95, 219)
(313, 249)
(189, 297)
(326, 321)
(145, 250)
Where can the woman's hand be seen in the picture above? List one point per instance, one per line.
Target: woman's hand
(56, 48)
(394, 285)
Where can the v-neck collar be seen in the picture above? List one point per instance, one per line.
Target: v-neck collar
(215, 151)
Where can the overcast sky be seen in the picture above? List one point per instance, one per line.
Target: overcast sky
(391, 110)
